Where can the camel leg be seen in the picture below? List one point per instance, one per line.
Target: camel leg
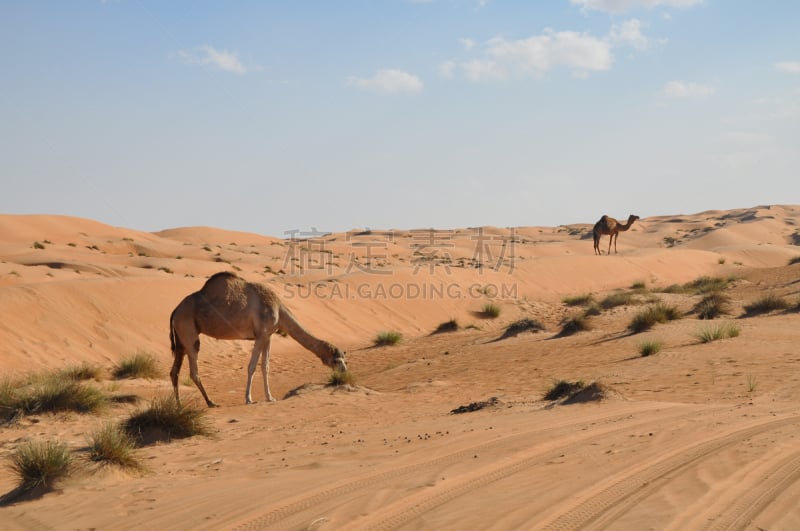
(610, 239)
(195, 375)
(176, 369)
(615, 242)
(251, 368)
(265, 369)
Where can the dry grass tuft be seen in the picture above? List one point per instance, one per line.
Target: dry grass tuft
(165, 419)
(40, 464)
(140, 365)
(387, 338)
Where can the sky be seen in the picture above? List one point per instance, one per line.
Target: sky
(296, 115)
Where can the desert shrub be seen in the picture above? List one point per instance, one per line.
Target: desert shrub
(794, 260)
(706, 284)
(620, 298)
(639, 285)
(38, 245)
(578, 300)
(387, 338)
(447, 326)
(648, 348)
(673, 288)
(165, 419)
(592, 309)
(140, 365)
(766, 304)
(83, 371)
(523, 325)
(50, 393)
(713, 305)
(714, 333)
(563, 388)
(111, 444)
(40, 463)
(491, 310)
(657, 313)
(338, 378)
(577, 323)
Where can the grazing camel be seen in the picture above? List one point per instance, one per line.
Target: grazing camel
(612, 227)
(228, 307)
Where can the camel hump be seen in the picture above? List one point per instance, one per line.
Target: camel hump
(604, 218)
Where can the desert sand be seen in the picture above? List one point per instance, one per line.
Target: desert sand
(696, 436)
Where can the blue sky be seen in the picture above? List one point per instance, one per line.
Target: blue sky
(273, 116)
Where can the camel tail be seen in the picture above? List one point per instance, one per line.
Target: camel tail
(174, 341)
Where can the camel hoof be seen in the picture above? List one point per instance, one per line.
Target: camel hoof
(212, 404)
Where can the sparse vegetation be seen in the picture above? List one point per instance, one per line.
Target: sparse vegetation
(657, 313)
(713, 305)
(111, 444)
(714, 333)
(387, 338)
(620, 298)
(794, 260)
(707, 284)
(639, 286)
(165, 269)
(38, 245)
(523, 325)
(572, 325)
(447, 326)
(83, 371)
(48, 393)
(491, 310)
(338, 378)
(563, 388)
(648, 348)
(752, 383)
(766, 304)
(578, 300)
(164, 419)
(140, 365)
(40, 463)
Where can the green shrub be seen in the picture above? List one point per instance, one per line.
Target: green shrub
(338, 378)
(766, 304)
(111, 444)
(648, 348)
(387, 338)
(706, 284)
(491, 310)
(523, 325)
(563, 388)
(578, 300)
(713, 305)
(83, 371)
(447, 326)
(577, 323)
(52, 394)
(657, 313)
(40, 463)
(714, 333)
(140, 365)
(165, 419)
(620, 298)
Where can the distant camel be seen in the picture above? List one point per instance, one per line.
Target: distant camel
(228, 307)
(612, 228)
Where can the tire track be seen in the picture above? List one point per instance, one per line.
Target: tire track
(421, 503)
(327, 496)
(623, 493)
(753, 502)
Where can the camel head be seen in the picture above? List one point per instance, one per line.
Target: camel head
(632, 218)
(335, 359)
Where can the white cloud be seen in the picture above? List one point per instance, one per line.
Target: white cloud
(682, 89)
(578, 51)
(621, 6)
(479, 70)
(209, 56)
(468, 44)
(388, 80)
(630, 32)
(447, 69)
(792, 67)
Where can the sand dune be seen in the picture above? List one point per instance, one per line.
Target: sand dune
(694, 436)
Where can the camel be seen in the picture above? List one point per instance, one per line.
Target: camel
(228, 307)
(612, 227)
